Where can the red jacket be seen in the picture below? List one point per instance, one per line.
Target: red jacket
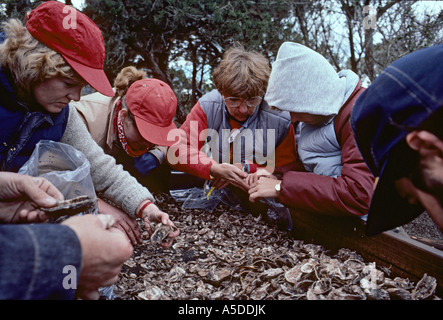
(348, 194)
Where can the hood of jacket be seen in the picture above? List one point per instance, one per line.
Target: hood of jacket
(303, 81)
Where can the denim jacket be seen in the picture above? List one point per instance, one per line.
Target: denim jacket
(38, 261)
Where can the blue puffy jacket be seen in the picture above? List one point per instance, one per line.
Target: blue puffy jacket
(22, 128)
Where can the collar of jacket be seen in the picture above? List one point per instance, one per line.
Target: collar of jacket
(112, 135)
(9, 99)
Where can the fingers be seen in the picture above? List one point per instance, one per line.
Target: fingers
(42, 192)
(253, 195)
(254, 191)
(103, 253)
(122, 221)
(32, 216)
(159, 216)
(219, 183)
(118, 230)
(134, 235)
(88, 294)
(249, 179)
(252, 178)
(166, 244)
(263, 188)
(241, 184)
(227, 171)
(231, 178)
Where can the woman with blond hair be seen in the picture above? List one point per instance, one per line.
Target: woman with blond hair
(133, 127)
(43, 67)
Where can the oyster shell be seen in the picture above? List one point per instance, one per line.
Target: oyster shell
(160, 232)
(294, 274)
(81, 204)
(425, 288)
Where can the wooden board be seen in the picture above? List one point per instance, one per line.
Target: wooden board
(405, 257)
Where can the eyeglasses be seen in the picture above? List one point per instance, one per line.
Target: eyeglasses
(234, 102)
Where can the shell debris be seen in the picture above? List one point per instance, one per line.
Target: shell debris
(227, 254)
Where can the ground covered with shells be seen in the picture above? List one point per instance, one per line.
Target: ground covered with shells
(226, 254)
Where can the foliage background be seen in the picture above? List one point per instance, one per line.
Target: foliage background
(182, 41)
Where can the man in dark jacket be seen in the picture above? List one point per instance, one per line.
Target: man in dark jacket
(398, 127)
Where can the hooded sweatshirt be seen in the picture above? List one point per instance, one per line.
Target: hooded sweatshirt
(329, 175)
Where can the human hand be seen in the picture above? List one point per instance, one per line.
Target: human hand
(123, 221)
(225, 173)
(219, 183)
(263, 188)
(152, 214)
(23, 195)
(103, 253)
(253, 177)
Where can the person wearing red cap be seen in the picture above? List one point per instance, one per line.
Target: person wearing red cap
(43, 67)
(133, 127)
(397, 124)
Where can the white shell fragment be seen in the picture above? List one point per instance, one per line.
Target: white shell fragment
(160, 232)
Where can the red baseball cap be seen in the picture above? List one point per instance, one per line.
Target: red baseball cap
(153, 103)
(76, 37)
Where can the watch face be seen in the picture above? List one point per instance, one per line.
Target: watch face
(277, 187)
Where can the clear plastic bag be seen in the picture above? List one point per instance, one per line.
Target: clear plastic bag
(278, 214)
(196, 198)
(64, 166)
(69, 170)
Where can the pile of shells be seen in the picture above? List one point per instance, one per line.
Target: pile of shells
(227, 254)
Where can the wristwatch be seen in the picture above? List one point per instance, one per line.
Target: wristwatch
(278, 188)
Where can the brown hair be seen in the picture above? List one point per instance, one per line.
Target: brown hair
(29, 61)
(242, 73)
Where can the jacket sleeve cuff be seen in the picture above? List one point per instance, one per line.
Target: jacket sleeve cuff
(159, 153)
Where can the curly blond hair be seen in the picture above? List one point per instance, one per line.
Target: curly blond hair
(242, 73)
(125, 78)
(29, 61)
